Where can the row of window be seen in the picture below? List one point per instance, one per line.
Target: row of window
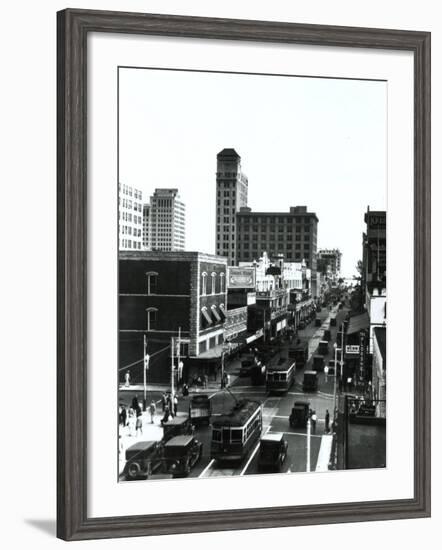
(213, 278)
(128, 243)
(128, 230)
(128, 190)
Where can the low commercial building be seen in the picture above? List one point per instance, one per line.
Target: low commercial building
(166, 294)
(379, 369)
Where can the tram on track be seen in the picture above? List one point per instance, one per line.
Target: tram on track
(280, 375)
(235, 433)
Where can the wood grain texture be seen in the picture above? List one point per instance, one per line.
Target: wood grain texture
(72, 29)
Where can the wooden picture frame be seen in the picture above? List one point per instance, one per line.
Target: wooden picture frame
(73, 29)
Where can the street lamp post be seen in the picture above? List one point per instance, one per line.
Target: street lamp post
(309, 431)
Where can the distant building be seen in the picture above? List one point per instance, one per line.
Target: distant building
(146, 226)
(167, 227)
(130, 218)
(231, 195)
(329, 262)
(162, 294)
(292, 234)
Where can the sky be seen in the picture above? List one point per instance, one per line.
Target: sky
(316, 142)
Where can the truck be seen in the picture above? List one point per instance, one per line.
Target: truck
(200, 409)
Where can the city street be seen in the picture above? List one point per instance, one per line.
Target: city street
(276, 411)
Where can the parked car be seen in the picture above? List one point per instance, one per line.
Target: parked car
(327, 335)
(180, 455)
(318, 322)
(179, 425)
(272, 451)
(318, 363)
(310, 382)
(323, 348)
(299, 415)
(142, 460)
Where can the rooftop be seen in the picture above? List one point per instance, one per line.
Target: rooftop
(228, 152)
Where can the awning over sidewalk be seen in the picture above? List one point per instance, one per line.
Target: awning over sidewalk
(247, 337)
(358, 323)
(206, 315)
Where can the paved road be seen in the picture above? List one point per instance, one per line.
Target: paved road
(276, 411)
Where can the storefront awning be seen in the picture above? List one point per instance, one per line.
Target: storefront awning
(247, 337)
(358, 323)
(216, 314)
(206, 315)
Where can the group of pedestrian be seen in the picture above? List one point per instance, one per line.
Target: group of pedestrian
(314, 419)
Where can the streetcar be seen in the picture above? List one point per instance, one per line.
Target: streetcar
(280, 375)
(235, 433)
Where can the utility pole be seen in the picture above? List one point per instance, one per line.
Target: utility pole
(335, 345)
(309, 428)
(172, 344)
(178, 349)
(145, 367)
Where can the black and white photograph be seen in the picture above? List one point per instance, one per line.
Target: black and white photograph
(252, 280)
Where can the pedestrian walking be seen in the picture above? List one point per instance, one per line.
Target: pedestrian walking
(175, 405)
(327, 421)
(127, 379)
(166, 415)
(163, 402)
(206, 380)
(131, 422)
(185, 390)
(152, 410)
(228, 380)
(139, 425)
(314, 420)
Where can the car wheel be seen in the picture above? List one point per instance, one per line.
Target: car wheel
(133, 470)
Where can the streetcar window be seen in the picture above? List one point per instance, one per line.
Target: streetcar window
(216, 435)
(236, 435)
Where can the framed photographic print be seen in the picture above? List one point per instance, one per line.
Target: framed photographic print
(230, 196)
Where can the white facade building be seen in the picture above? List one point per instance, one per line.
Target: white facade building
(130, 218)
(167, 226)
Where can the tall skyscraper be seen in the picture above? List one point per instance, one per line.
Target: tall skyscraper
(329, 261)
(167, 228)
(130, 218)
(231, 195)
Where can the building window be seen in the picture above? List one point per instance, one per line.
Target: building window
(204, 283)
(213, 282)
(152, 282)
(152, 318)
(221, 282)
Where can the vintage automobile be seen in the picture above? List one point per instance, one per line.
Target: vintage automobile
(179, 425)
(200, 409)
(301, 325)
(318, 322)
(180, 454)
(323, 348)
(142, 460)
(327, 335)
(310, 381)
(272, 451)
(333, 321)
(299, 353)
(247, 363)
(318, 363)
(299, 415)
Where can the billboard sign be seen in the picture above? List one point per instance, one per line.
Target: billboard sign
(241, 277)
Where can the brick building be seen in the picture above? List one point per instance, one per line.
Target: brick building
(162, 293)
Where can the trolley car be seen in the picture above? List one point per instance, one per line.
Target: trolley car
(235, 433)
(280, 375)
